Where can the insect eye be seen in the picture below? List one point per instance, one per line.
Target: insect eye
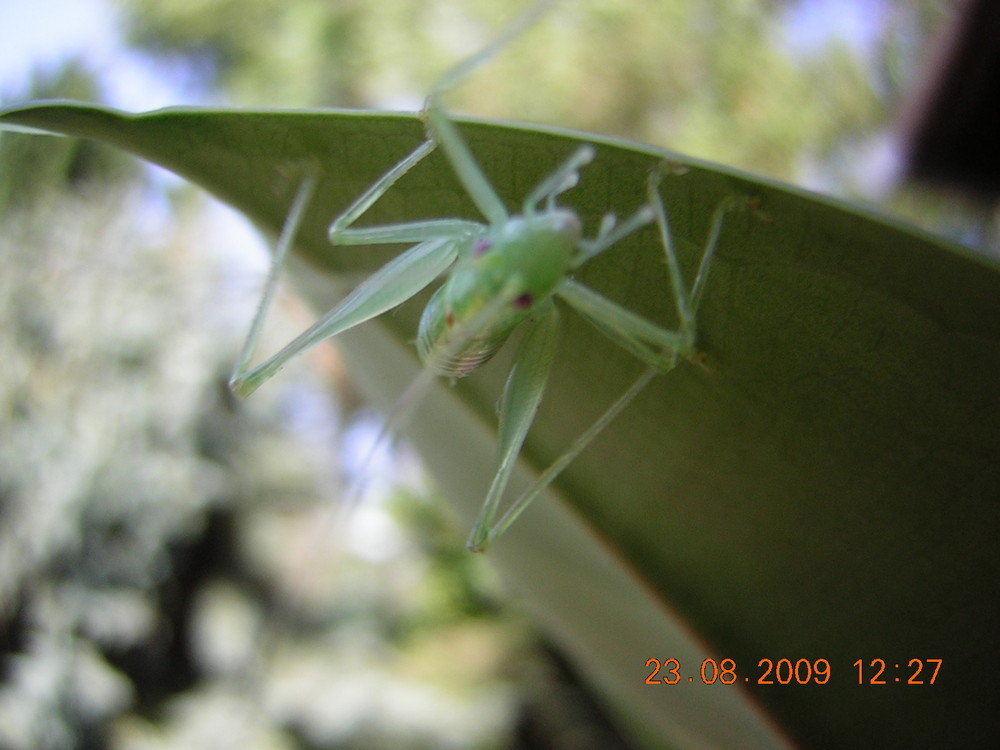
(482, 245)
(524, 301)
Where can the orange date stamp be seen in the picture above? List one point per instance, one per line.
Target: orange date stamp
(797, 672)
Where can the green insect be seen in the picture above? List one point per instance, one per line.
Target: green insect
(504, 273)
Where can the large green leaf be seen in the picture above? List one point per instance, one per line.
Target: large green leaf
(824, 487)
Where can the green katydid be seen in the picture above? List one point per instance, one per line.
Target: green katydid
(503, 274)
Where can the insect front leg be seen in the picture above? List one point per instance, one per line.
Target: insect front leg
(564, 177)
(341, 233)
(379, 188)
(612, 232)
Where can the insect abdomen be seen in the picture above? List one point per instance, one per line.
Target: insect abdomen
(454, 344)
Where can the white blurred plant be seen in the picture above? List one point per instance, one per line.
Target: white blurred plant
(119, 443)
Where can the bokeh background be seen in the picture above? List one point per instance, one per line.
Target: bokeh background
(174, 569)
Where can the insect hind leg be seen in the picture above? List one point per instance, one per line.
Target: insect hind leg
(548, 476)
(292, 222)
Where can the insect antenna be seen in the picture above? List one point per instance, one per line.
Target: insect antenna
(391, 426)
(513, 30)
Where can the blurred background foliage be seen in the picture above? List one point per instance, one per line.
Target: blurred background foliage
(806, 91)
(169, 569)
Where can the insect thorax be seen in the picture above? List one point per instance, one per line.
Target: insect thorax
(499, 279)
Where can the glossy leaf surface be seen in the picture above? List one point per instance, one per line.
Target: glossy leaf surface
(824, 486)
